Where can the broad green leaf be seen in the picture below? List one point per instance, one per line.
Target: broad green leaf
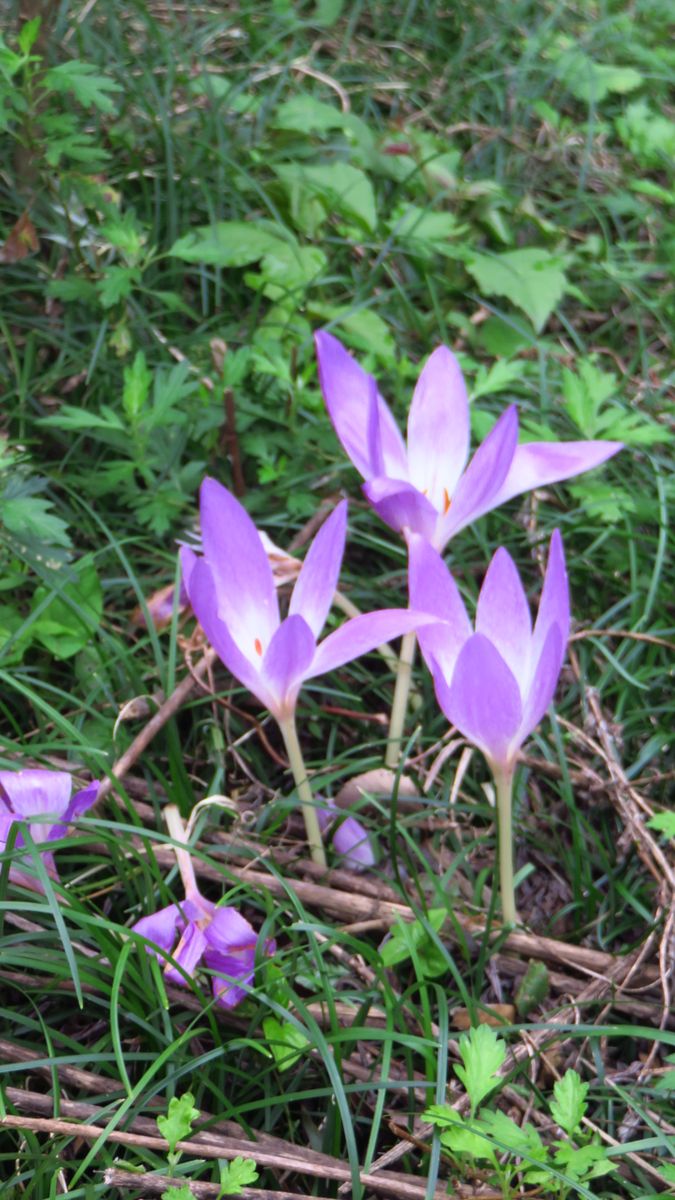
(339, 186)
(590, 81)
(236, 1175)
(10, 62)
(569, 1103)
(82, 81)
(71, 618)
(72, 287)
(517, 1139)
(583, 1162)
(409, 936)
(177, 1124)
(137, 381)
(533, 987)
(11, 621)
(117, 283)
(28, 35)
(532, 279)
(286, 1043)
(482, 1054)
(304, 114)
(663, 822)
(363, 329)
(227, 244)
(459, 1135)
(73, 418)
(30, 517)
(288, 271)
(648, 134)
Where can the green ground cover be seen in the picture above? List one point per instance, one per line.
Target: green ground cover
(188, 192)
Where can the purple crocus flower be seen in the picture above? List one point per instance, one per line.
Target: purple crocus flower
(232, 592)
(427, 488)
(31, 793)
(350, 839)
(197, 931)
(496, 681)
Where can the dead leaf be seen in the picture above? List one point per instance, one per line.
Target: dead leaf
(496, 1015)
(22, 241)
(378, 782)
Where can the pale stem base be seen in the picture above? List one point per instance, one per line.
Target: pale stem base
(312, 828)
(503, 777)
(176, 830)
(399, 707)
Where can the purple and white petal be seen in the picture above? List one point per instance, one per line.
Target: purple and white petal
(77, 806)
(230, 972)
(36, 793)
(244, 584)
(362, 634)
(544, 681)
(351, 841)
(438, 428)
(188, 953)
(162, 927)
(228, 931)
(478, 489)
(503, 615)
(554, 605)
(537, 464)
(347, 390)
(433, 590)
(313, 593)
(402, 506)
(483, 699)
(285, 665)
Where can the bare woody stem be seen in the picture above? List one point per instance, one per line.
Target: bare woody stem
(399, 707)
(503, 777)
(314, 839)
(176, 830)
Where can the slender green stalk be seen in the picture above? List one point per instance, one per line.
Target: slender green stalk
(290, 736)
(176, 829)
(399, 705)
(503, 777)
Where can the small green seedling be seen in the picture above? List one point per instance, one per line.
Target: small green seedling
(177, 1124)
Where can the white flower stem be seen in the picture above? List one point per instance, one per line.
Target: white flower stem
(350, 609)
(503, 777)
(290, 736)
(176, 830)
(399, 707)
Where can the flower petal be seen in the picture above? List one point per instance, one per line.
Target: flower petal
(235, 966)
(402, 506)
(438, 428)
(285, 664)
(188, 954)
(478, 489)
(161, 927)
(347, 389)
(205, 605)
(544, 681)
(228, 931)
(362, 634)
(483, 699)
(536, 464)
(554, 605)
(433, 590)
(35, 793)
(352, 843)
(503, 615)
(313, 593)
(247, 598)
(78, 805)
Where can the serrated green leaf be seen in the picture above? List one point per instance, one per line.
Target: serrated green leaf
(532, 279)
(227, 244)
(238, 1174)
(569, 1103)
(286, 1043)
(30, 517)
(458, 1136)
(340, 187)
(72, 287)
(305, 114)
(585, 392)
(137, 382)
(28, 35)
(117, 283)
(72, 616)
(498, 378)
(410, 936)
(72, 418)
(177, 1124)
(82, 80)
(648, 134)
(482, 1053)
(178, 1193)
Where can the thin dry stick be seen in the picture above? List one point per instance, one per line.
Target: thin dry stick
(156, 1184)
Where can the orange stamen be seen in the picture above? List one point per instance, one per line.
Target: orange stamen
(258, 646)
(446, 501)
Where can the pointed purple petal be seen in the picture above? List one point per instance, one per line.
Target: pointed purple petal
(478, 489)
(352, 843)
(228, 931)
(36, 793)
(285, 665)
(247, 598)
(554, 605)
(347, 389)
(188, 954)
(402, 506)
(205, 605)
(162, 927)
(483, 699)
(317, 581)
(503, 615)
(362, 634)
(544, 682)
(433, 590)
(536, 464)
(438, 428)
(233, 966)
(188, 558)
(78, 805)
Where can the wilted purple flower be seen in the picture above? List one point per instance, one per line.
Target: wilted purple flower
(428, 487)
(234, 598)
(350, 839)
(197, 931)
(34, 793)
(494, 683)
